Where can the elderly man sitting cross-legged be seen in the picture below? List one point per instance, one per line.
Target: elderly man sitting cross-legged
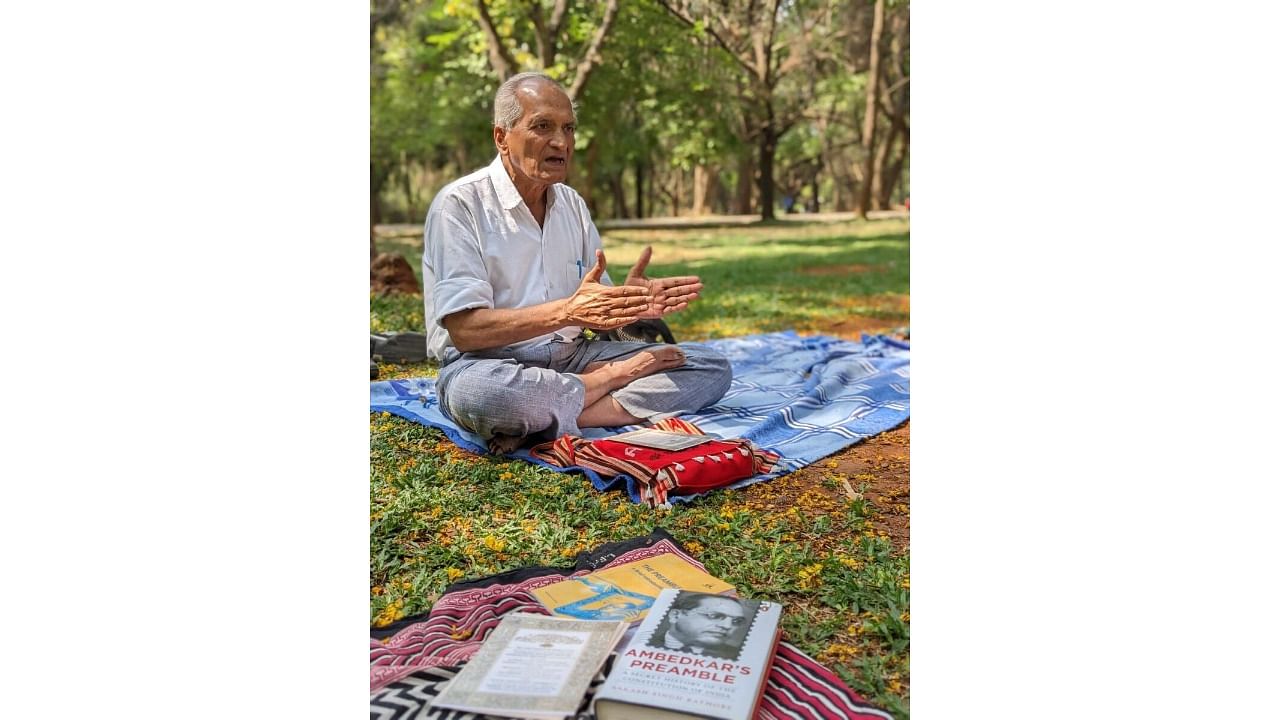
(513, 270)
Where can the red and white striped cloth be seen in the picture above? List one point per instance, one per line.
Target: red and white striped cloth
(662, 473)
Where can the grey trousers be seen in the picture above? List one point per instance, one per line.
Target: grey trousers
(534, 391)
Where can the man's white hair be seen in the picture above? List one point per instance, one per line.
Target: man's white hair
(506, 106)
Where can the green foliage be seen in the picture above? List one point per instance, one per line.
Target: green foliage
(663, 95)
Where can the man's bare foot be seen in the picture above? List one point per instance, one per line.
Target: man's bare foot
(503, 444)
(643, 363)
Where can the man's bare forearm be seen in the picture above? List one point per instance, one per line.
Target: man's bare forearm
(593, 305)
(485, 328)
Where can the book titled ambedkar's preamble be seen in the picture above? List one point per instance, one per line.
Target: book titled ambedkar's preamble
(696, 655)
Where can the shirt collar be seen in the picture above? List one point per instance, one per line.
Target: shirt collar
(506, 189)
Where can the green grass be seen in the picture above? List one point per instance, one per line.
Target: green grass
(438, 514)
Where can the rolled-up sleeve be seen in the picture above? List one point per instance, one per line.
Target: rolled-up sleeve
(454, 253)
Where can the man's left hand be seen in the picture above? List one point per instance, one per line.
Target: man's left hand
(669, 294)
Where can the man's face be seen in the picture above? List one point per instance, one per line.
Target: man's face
(710, 624)
(540, 143)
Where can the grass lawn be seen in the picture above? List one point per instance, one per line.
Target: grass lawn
(816, 540)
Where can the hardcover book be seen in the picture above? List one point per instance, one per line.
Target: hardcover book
(696, 655)
(532, 666)
(625, 592)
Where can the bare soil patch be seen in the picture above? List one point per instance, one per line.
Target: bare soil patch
(851, 328)
(878, 469)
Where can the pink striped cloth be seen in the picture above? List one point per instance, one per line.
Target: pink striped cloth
(411, 660)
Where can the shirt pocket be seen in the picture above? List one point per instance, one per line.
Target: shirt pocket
(573, 272)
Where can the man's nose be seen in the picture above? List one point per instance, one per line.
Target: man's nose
(559, 139)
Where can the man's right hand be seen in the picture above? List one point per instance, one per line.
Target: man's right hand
(604, 307)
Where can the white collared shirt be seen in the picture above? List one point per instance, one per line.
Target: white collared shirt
(482, 248)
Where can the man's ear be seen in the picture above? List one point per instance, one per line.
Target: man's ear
(500, 139)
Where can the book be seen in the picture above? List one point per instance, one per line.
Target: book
(532, 666)
(661, 439)
(696, 655)
(625, 592)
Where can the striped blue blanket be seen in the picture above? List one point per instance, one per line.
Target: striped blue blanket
(801, 397)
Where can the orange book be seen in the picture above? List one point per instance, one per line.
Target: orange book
(626, 592)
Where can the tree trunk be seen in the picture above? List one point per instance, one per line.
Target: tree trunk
(742, 198)
(902, 178)
(768, 146)
(678, 195)
(651, 192)
(892, 172)
(717, 197)
(588, 188)
(373, 221)
(701, 183)
(880, 185)
(842, 185)
(869, 117)
(406, 186)
(619, 196)
(640, 189)
(813, 190)
(375, 208)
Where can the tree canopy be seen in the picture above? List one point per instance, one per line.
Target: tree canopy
(735, 106)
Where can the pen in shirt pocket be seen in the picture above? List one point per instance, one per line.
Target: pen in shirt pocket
(579, 269)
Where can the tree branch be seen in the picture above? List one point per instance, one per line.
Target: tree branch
(682, 14)
(540, 35)
(592, 56)
(499, 57)
(557, 17)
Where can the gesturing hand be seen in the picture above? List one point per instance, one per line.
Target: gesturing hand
(602, 307)
(667, 295)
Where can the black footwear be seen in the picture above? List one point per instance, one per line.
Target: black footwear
(645, 331)
(398, 348)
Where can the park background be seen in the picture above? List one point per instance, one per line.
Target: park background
(685, 108)
(1079, 536)
(763, 146)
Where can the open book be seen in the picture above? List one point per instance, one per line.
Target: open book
(532, 666)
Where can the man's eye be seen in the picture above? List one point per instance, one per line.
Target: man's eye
(570, 128)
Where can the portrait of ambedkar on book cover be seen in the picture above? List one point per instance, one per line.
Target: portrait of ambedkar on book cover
(709, 625)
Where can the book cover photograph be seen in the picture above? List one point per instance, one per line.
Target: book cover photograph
(696, 655)
(532, 666)
(625, 592)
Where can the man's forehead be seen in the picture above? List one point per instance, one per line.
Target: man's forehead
(543, 97)
(541, 90)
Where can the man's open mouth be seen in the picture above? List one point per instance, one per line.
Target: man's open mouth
(557, 161)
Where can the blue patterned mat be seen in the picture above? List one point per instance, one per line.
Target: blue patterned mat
(802, 397)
